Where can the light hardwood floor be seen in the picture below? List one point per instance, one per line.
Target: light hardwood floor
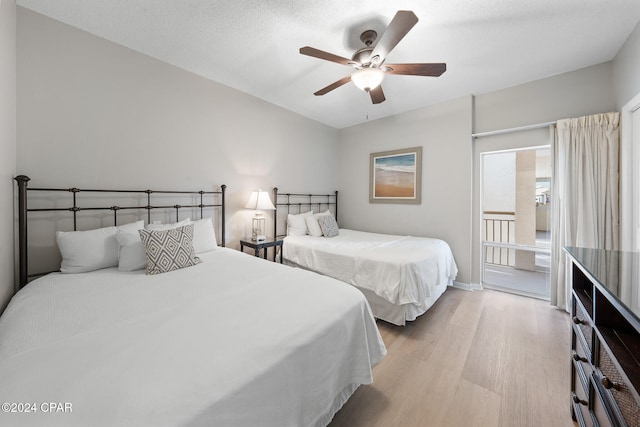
(483, 358)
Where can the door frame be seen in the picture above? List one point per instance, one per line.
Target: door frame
(492, 142)
(482, 154)
(629, 178)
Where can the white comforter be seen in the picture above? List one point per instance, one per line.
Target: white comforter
(234, 341)
(399, 269)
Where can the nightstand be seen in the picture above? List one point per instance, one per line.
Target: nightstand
(263, 245)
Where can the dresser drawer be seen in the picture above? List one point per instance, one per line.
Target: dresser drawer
(582, 325)
(599, 410)
(616, 390)
(579, 396)
(581, 412)
(582, 357)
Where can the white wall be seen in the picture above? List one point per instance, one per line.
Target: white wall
(443, 132)
(574, 94)
(92, 113)
(626, 69)
(7, 144)
(626, 83)
(499, 182)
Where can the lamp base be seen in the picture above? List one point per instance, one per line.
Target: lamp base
(259, 238)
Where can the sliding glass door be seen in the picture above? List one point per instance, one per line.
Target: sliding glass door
(512, 205)
(515, 204)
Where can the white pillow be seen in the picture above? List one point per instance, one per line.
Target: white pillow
(131, 255)
(168, 226)
(84, 251)
(313, 226)
(204, 235)
(296, 225)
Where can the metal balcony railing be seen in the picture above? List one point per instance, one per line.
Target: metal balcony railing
(499, 227)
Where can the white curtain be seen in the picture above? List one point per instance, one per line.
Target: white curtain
(585, 192)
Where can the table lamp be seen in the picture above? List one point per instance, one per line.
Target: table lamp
(259, 201)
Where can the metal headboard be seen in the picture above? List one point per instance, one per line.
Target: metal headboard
(23, 210)
(300, 201)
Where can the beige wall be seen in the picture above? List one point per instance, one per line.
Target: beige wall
(443, 132)
(7, 144)
(525, 208)
(95, 114)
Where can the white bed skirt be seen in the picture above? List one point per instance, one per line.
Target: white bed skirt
(399, 314)
(384, 310)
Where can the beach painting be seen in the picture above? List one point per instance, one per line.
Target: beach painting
(395, 176)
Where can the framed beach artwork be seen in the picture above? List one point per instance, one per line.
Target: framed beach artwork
(395, 176)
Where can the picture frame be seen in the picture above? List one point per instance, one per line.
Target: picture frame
(396, 176)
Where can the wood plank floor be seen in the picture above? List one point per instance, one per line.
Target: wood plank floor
(483, 358)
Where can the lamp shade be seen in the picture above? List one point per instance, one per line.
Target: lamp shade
(260, 201)
(367, 78)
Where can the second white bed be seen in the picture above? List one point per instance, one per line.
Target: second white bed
(401, 276)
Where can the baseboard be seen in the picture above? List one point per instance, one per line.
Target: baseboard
(463, 286)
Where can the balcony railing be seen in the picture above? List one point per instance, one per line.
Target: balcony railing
(499, 227)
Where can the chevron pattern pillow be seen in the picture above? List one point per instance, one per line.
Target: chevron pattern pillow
(168, 250)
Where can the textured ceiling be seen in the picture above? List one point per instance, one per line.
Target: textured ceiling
(253, 45)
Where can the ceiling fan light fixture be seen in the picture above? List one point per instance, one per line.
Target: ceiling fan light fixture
(367, 79)
(369, 61)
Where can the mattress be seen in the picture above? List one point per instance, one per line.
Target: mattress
(233, 341)
(402, 270)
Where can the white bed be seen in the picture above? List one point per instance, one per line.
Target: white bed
(233, 341)
(401, 276)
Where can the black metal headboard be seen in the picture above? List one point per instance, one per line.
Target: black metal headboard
(299, 201)
(218, 201)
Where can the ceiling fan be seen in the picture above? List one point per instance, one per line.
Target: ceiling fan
(369, 60)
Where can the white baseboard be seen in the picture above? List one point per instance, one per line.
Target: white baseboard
(467, 286)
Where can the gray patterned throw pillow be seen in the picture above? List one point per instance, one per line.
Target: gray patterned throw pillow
(328, 225)
(168, 250)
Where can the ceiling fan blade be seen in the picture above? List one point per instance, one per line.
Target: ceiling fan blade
(321, 54)
(377, 95)
(433, 70)
(399, 26)
(333, 86)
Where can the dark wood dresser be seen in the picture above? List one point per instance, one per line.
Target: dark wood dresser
(605, 343)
